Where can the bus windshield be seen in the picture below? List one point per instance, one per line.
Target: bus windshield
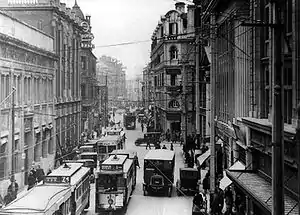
(102, 149)
(111, 182)
(111, 148)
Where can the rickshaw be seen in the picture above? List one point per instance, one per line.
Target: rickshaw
(188, 181)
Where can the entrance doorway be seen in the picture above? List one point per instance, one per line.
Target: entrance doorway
(175, 126)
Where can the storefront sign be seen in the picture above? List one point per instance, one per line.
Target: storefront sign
(85, 26)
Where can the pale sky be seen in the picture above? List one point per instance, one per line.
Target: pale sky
(121, 21)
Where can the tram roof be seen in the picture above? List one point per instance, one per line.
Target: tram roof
(38, 199)
(79, 174)
(130, 153)
(111, 160)
(66, 171)
(160, 154)
(110, 138)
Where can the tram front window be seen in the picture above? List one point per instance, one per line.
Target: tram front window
(102, 149)
(111, 182)
(111, 148)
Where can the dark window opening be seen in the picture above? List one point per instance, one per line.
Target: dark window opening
(173, 80)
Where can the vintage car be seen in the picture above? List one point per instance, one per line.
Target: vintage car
(159, 172)
(188, 181)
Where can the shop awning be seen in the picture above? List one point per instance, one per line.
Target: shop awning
(261, 190)
(225, 181)
(202, 158)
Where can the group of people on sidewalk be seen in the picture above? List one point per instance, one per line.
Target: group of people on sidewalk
(219, 199)
(35, 176)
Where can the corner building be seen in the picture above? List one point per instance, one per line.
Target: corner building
(172, 66)
(64, 25)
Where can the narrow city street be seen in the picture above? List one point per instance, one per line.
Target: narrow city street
(150, 205)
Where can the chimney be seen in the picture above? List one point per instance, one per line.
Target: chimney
(88, 19)
(180, 6)
(190, 19)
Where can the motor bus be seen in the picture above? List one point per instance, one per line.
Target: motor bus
(86, 148)
(159, 172)
(115, 182)
(129, 121)
(65, 191)
(107, 144)
(89, 156)
(92, 143)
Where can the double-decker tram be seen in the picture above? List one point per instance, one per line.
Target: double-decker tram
(115, 182)
(107, 144)
(65, 191)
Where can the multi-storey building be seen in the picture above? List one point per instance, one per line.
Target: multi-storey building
(172, 67)
(28, 64)
(89, 91)
(147, 87)
(134, 91)
(112, 73)
(64, 25)
(242, 69)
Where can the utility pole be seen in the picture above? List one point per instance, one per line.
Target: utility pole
(277, 119)
(212, 107)
(197, 93)
(184, 105)
(105, 103)
(198, 25)
(298, 149)
(13, 136)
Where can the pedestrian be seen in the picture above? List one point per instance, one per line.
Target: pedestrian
(49, 171)
(164, 147)
(198, 201)
(13, 188)
(137, 162)
(8, 198)
(142, 125)
(206, 183)
(172, 147)
(40, 174)
(31, 180)
(148, 145)
(168, 135)
(228, 194)
(173, 137)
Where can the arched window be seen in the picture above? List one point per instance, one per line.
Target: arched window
(174, 104)
(173, 53)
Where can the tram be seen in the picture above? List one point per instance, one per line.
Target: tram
(115, 182)
(107, 144)
(65, 191)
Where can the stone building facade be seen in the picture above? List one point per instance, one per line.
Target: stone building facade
(172, 67)
(64, 25)
(28, 62)
(242, 69)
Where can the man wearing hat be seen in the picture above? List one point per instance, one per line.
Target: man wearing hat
(13, 187)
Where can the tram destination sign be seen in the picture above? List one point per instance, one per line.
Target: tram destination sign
(106, 167)
(57, 180)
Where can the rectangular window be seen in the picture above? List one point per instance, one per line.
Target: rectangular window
(44, 145)
(83, 62)
(173, 80)
(37, 147)
(161, 31)
(289, 16)
(2, 158)
(267, 90)
(155, 81)
(83, 90)
(173, 30)
(162, 79)
(288, 93)
(50, 143)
